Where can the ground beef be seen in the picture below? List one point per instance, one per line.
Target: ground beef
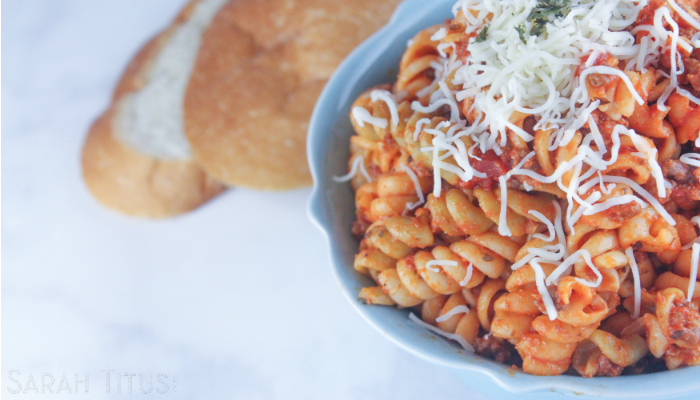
(686, 195)
(684, 325)
(607, 367)
(496, 349)
(676, 170)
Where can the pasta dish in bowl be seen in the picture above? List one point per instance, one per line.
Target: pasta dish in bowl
(527, 187)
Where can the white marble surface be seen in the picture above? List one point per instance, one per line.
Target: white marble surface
(235, 299)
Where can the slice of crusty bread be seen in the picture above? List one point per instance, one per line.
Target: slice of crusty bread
(139, 185)
(136, 158)
(261, 67)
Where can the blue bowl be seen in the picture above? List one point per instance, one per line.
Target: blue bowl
(332, 209)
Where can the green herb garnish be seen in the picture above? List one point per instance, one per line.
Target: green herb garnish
(482, 35)
(539, 16)
(521, 32)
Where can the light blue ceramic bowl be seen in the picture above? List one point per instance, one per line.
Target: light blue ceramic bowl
(331, 208)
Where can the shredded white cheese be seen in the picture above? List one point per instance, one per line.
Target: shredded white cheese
(545, 252)
(419, 125)
(363, 116)
(440, 332)
(690, 244)
(684, 14)
(542, 288)
(454, 311)
(637, 283)
(386, 97)
(454, 108)
(358, 164)
(615, 201)
(439, 35)
(502, 218)
(647, 196)
(661, 14)
(691, 159)
(470, 272)
(565, 269)
(416, 185)
(429, 265)
(548, 223)
(505, 75)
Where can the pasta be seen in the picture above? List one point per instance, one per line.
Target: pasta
(530, 186)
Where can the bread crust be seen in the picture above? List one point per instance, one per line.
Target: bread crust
(261, 67)
(133, 183)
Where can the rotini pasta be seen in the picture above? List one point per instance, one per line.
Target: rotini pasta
(536, 203)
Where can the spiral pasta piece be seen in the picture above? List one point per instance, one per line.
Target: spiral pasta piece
(605, 354)
(684, 116)
(380, 249)
(519, 316)
(380, 122)
(621, 103)
(549, 349)
(675, 314)
(384, 244)
(442, 271)
(491, 290)
(424, 281)
(514, 314)
(457, 268)
(454, 214)
(542, 356)
(651, 230)
(416, 71)
(396, 194)
(607, 255)
(490, 203)
(614, 216)
(581, 305)
(672, 331)
(452, 314)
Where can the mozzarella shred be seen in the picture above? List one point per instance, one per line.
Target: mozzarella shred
(565, 269)
(416, 185)
(363, 116)
(358, 164)
(548, 224)
(468, 277)
(502, 218)
(637, 283)
(645, 194)
(615, 201)
(430, 264)
(439, 35)
(419, 125)
(684, 14)
(454, 311)
(386, 97)
(466, 345)
(542, 288)
(691, 159)
(690, 244)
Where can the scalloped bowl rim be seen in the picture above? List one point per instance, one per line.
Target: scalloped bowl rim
(410, 17)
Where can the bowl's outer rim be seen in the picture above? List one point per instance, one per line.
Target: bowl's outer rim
(518, 382)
